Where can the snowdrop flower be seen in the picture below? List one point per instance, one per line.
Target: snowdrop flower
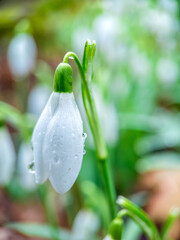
(25, 157)
(105, 31)
(169, 6)
(22, 54)
(7, 157)
(160, 23)
(167, 70)
(139, 64)
(86, 224)
(58, 139)
(108, 237)
(38, 95)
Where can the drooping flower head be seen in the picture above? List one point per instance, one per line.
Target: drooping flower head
(58, 140)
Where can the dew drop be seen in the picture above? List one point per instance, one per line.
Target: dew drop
(76, 156)
(56, 160)
(71, 57)
(31, 167)
(84, 152)
(84, 135)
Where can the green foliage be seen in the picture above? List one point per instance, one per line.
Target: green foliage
(37, 230)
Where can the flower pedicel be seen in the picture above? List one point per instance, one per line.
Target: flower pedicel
(58, 138)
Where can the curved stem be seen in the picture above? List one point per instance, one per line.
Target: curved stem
(145, 228)
(174, 214)
(122, 201)
(101, 150)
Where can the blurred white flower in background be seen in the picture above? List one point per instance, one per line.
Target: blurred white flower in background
(170, 6)
(139, 64)
(167, 70)
(7, 157)
(108, 237)
(107, 29)
(22, 53)
(86, 224)
(108, 118)
(25, 157)
(37, 100)
(79, 38)
(160, 23)
(120, 87)
(107, 115)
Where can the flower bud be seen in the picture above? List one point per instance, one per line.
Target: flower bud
(115, 229)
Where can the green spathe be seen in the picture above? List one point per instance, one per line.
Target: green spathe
(115, 229)
(63, 78)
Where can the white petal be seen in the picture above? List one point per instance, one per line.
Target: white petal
(25, 157)
(7, 157)
(108, 237)
(85, 225)
(64, 144)
(22, 54)
(40, 164)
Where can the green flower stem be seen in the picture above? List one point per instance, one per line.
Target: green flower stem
(140, 214)
(101, 150)
(145, 228)
(174, 214)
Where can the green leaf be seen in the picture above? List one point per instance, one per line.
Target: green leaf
(23, 122)
(95, 199)
(37, 230)
(173, 215)
(131, 231)
(159, 161)
(138, 214)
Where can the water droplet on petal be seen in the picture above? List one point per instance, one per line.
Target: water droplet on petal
(31, 167)
(56, 160)
(84, 152)
(84, 135)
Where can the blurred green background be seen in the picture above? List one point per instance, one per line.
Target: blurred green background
(136, 86)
